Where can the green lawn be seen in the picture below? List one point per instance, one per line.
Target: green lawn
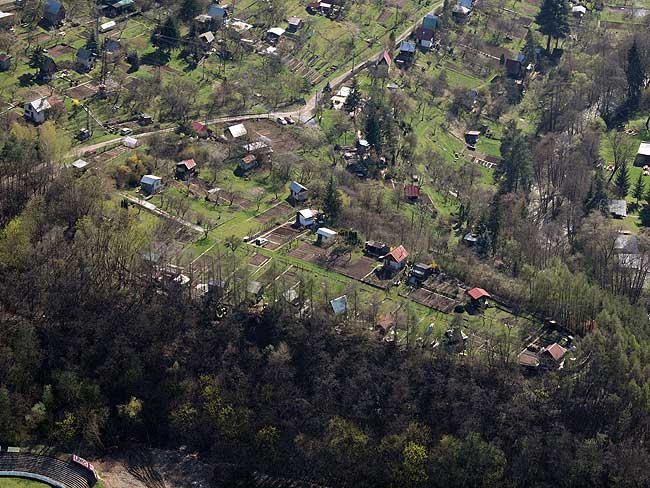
(20, 483)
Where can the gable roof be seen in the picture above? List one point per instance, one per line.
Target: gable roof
(618, 208)
(199, 127)
(627, 244)
(217, 12)
(188, 163)
(80, 164)
(430, 21)
(208, 37)
(459, 9)
(412, 191)
(238, 130)
(386, 322)
(40, 104)
(339, 305)
(276, 31)
(297, 187)
(478, 293)
(513, 67)
(644, 149)
(325, 232)
(53, 7)
(556, 351)
(308, 213)
(398, 254)
(48, 65)
(407, 47)
(385, 57)
(294, 20)
(150, 179)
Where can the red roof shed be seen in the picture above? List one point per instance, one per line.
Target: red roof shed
(478, 293)
(398, 254)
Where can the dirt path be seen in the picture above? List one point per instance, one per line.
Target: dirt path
(158, 211)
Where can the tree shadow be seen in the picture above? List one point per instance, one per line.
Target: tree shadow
(27, 79)
(156, 58)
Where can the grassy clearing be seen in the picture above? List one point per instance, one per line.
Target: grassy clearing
(20, 483)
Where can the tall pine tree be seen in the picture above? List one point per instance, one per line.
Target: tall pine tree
(553, 20)
(331, 200)
(622, 182)
(634, 74)
(639, 189)
(513, 173)
(597, 196)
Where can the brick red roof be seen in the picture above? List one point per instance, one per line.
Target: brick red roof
(385, 57)
(188, 163)
(556, 351)
(478, 293)
(199, 127)
(412, 191)
(386, 322)
(398, 254)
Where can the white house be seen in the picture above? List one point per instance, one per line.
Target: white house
(80, 164)
(578, 11)
(325, 236)
(274, 34)
(339, 305)
(107, 26)
(130, 142)
(341, 97)
(37, 110)
(236, 131)
(151, 184)
(298, 193)
(206, 39)
(306, 217)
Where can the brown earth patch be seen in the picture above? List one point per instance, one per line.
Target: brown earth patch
(433, 300)
(273, 213)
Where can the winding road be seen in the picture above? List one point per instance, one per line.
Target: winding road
(304, 113)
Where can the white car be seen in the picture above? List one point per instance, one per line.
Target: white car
(281, 121)
(125, 131)
(261, 241)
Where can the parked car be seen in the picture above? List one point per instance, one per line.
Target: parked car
(289, 120)
(125, 131)
(261, 241)
(281, 121)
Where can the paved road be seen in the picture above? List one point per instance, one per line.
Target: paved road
(304, 113)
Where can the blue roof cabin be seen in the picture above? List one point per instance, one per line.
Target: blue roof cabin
(151, 184)
(53, 12)
(430, 22)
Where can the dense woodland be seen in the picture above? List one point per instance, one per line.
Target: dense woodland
(97, 352)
